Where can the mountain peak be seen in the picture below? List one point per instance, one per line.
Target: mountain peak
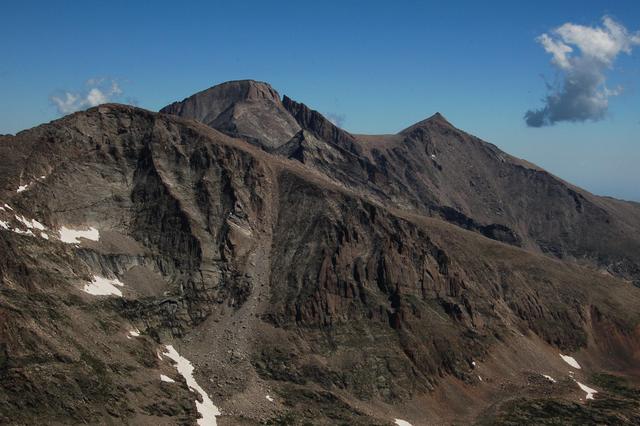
(249, 89)
(208, 104)
(437, 116)
(436, 119)
(247, 109)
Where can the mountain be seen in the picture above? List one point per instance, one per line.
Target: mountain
(432, 168)
(238, 259)
(244, 109)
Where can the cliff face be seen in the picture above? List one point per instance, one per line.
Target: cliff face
(425, 275)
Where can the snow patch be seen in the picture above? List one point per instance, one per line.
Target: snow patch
(549, 378)
(100, 286)
(24, 221)
(166, 379)
(28, 223)
(7, 206)
(37, 225)
(269, 398)
(21, 232)
(134, 333)
(31, 224)
(22, 188)
(207, 410)
(590, 392)
(70, 236)
(401, 422)
(571, 361)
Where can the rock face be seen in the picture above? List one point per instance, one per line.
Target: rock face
(314, 122)
(246, 109)
(354, 279)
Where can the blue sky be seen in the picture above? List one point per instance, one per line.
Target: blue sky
(380, 66)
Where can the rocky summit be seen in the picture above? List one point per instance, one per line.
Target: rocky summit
(238, 259)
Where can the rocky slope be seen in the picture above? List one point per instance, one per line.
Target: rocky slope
(311, 276)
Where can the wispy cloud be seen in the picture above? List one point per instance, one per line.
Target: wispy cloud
(583, 56)
(97, 91)
(336, 118)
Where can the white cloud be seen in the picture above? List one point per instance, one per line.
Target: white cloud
(336, 119)
(601, 43)
(96, 97)
(583, 55)
(558, 49)
(66, 103)
(98, 91)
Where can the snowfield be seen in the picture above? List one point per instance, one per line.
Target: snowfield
(100, 286)
(571, 361)
(70, 236)
(590, 392)
(207, 410)
(166, 379)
